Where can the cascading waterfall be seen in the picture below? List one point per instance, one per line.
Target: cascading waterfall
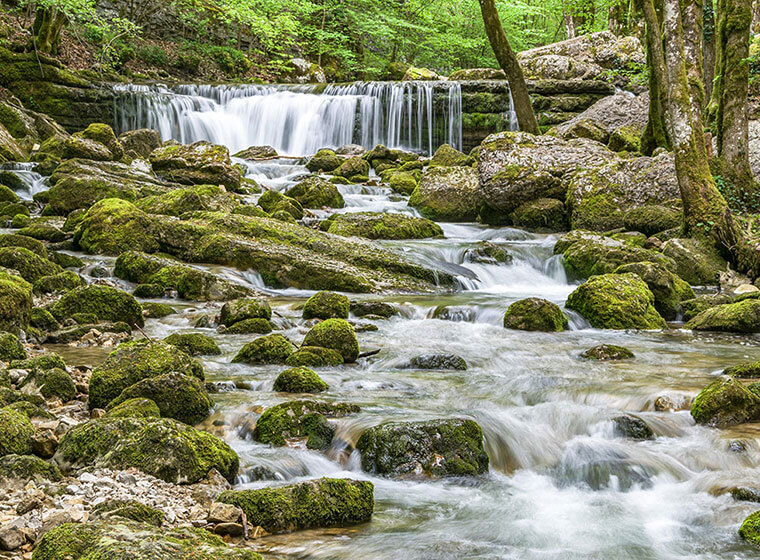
(299, 120)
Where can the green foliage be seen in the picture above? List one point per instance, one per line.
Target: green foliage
(153, 55)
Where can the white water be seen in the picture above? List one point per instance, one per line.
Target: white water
(33, 182)
(299, 120)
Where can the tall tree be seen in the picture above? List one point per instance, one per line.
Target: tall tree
(655, 135)
(507, 59)
(708, 47)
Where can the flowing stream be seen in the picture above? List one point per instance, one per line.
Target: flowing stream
(561, 484)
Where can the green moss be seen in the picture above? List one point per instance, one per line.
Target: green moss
(30, 266)
(130, 509)
(246, 308)
(378, 225)
(11, 347)
(113, 226)
(543, 214)
(164, 448)
(42, 362)
(739, 317)
(300, 419)
(106, 303)
(210, 198)
(616, 301)
(66, 261)
(668, 289)
(10, 396)
(352, 168)
(446, 156)
(11, 209)
(324, 502)
(652, 218)
(28, 467)
(315, 192)
(134, 361)
(744, 370)
(696, 262)
(200, 163)
(750, 529)
(314, 356)
(725, 402)
(194, 344)
(20, 221)
(250, 326)
(31, 411)
(435, 448)
(15, 240)
(270, 349)
(56, 283)
(404, 182)
(153, 310)
(607, 352)
(586, 257)
(336, 334)
(324, 160)
(273, 201)
(326, 305)
(55, 383)
(137, 407)
(43, 231)
(149, 291)
(299, 380)
(16, 433)
(535, 314)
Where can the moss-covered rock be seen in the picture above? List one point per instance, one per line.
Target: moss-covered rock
(695, 262)
(300, 420)
(439, 448)
(652, 218)
(740, 317)
(543, 214)
(16, 433)
(535, 314)
(30, 410)
(208, 198)
(744, 370)
(141, 142)
(404, 182)
(324, 160)
(149, 291)
(164, 448)
(134, 361)
(105, 302)
(326, 305)
(325, 502)
(200, 163)
(124, 539)
(137, 407)
(314, 356)
(314, 192)
(28, 467)
(446, 156)
(270, 349)
(379, 225)
(272, 202)
(436, 362)
(16, 240)
(53, 383)
(152, 310)
(30, 266)
(605, 352)
(11, 347)
(448, 194)
(43, 230)
(244, 308)
(42, 362)
(632, 427)
(9, 396)
(62, 282)
(726, 402)
(668, 289)
(194, 344)
(113, 226)
(336, 334)
(355, 169)
(250, 326)
(616, 301)
(299, 380)
(103, 135)
(130, 509)
(6, 194)
(750, 529)
(177, 396)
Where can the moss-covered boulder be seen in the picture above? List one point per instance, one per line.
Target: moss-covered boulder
(162, 447)
(16, 433)
(314, 192)
(62, 282)
(404, 182)
(208, 198)
(102, 134)
(325, 502)
(141, 142)
(113, 226)
(177, 396)
(250, 326)
(244, 308)
(668, 289)
(307, 420)
(134, 361)
(153, 310)
(314, 356)
(104, 302)
(616, 301)
(194, 344)
(273, 201)
(439, 448)
(355, 169)
(30, 266)
(201, 163)
(744, 370)
(740, 317)
(750, 529)
(129, 509)
(28, 467)
(336, 334)
(41, 362)
(124, 539)
(324, 160)
(137, 407)
(270, 349)
(11, 348)
(326, 305)
(380, 225)
(695, 261)
(10, 396)
(726, 402)
(53, 383)
(30, 410)
(446, 156)
(535, 314)
(299, 380)
(449, 194)
(16, 240)
(605, 352)
(543, 214)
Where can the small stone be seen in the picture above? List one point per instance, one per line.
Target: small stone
(231, 529)
(44, 444)
(11, 537)
(27, 504)
(87, 478)
(223, 513)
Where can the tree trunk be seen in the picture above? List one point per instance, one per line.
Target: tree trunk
(655, 135)
(569, 24)
(731, 117)
(708, 47)
(617, 21)
(526, 118)
(47, 27)
(755, 16)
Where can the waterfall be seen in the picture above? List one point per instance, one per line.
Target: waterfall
(298, 120)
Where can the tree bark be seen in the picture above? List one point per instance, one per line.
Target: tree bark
(708, 47)
(526, 118)
(731, 117)
(46, 28)
(755, 16)
(655, 135)
(569, 24)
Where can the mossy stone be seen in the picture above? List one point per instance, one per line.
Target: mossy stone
(250, 326)
(535, 314)
(352, 168)
(543, 214)
(194, 344)
(299, 380)
(28, 467)
(137, 407)
(726, 402)
(30, 410)
(324, 160)
(336, 334)
(668, 289)
(750, 529)
(314, 192)
(149, 291)
(300, 419)
(11, 347)
(152, 310)
(62, 282)
(16, 433)
(605, 352)
(30, 266)
(326, 305)
(739, 317)
(244, 308)
(379, 225)
(314, 356)
(105, 302)
(56, 383)
(130, 509)
(16, 240)
(446, 156)
(270, 349)
(744, 370)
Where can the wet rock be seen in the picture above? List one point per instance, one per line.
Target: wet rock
(307, 420)
(140, 142)
(726, 402)
(164, 448)
(744, 370)
(220, 512)
(200, 163)
(326, 305)
(750, 529)
(455, 313)
(605, 352)
(616, 301)
(137, 407)
(196, 198)
(325, 502)
(668, 289)
(11, 347)
(129, 509)
(535, 314)
(106, 303)
(355, 169)
(486, 252)
(314, 356)
(632, 427)
(249, 326)
(696, 263)
(194, 344)
(299, 380)
(245, 308)
(543, 214)
(450, 194)
(740, 317)
(745, 494)
(437, 448)
(324, 160)
(314, 192)
(378, 225)
(270, 349)
(335, 334)
(257, 152)
(436, 361)
(377, 308)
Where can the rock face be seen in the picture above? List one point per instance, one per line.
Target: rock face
(164, 448)
(436, 448)
(535, 314)
(726, 402)
(449, 194)
(325, 502)
(201, 163)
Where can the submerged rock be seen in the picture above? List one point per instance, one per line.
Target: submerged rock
(379, 225)
(306, 420)
(437, 448)
(325, 502)
(726, 402)
(605, 352)
(535, 314)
